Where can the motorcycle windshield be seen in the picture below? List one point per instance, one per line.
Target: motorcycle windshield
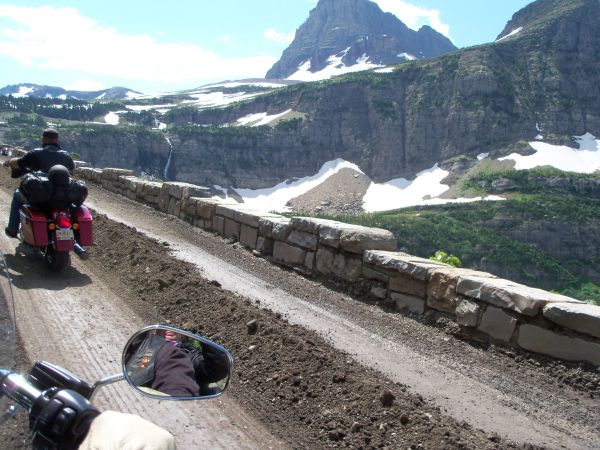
(8, 340)
(7, 318)
(7, 329)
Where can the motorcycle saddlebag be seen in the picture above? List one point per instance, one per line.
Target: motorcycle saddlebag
(86, 226)
(78, 192)
(34, 224)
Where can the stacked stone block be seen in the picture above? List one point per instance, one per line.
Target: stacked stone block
(501, 311)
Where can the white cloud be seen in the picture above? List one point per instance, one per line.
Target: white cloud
(227, 39)
(281, 38)
(78, 43)
(414, 16)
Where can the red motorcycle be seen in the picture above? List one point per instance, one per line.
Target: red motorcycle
(53, 218)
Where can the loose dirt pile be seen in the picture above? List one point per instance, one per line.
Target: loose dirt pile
(309, 394)
(340, 194)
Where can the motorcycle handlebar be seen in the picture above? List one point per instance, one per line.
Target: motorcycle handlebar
(18, 389)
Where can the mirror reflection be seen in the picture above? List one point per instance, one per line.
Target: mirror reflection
(168, 362)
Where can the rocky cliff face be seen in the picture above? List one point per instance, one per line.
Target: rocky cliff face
(476, 100)
(355, 29)
(140, 150)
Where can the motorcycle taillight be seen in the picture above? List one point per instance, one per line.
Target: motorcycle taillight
(63, 222)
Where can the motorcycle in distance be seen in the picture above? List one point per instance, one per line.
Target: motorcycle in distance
(53, 217)
(160, 362)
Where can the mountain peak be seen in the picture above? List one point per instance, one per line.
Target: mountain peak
(543, 13)
(351, 34)
(37, 90)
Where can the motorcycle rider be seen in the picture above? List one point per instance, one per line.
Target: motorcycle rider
(64, 419)
(157, 362)
(116, 430)
(40, 159)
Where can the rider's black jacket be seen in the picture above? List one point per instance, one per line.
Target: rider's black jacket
(161, 365)
(44, 158)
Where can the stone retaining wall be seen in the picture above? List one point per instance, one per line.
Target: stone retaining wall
(493, 309)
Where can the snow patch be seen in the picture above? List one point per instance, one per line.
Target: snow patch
(275, 198)
(236, 84)
(364, 59)
(400, 193)
(334, 67)
(384, 70)
(133, 95)
(215, 99)
(482, 156)
(423, 190)
(407, 56)
(112, 118)
(258, 119)
(512, 33)
(394, 194)
(23, 91)
(160, 108)
(100, 97)
(586, 159)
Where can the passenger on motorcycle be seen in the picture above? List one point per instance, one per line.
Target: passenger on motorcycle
(158, 363)
(40, 159)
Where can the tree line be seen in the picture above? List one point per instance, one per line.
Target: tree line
(70, 109)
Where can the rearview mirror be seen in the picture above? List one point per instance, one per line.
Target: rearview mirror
(167, 363)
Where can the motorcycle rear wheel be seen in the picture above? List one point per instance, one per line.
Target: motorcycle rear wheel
(56, 261)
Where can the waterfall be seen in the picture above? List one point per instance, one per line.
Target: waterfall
(168, 166)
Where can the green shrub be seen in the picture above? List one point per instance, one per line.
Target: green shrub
(443, 257)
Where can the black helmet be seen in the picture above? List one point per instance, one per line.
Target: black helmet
(50, 133)
(58, 175)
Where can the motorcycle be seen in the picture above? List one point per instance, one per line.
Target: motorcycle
(53, 218)
(59, 403)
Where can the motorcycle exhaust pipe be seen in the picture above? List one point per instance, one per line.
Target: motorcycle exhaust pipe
(80, 251)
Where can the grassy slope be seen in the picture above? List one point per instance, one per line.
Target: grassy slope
(484, 234)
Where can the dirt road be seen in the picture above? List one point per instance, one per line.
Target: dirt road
(79, 322)
(443, 387)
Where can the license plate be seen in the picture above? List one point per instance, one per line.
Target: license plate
(64, 234)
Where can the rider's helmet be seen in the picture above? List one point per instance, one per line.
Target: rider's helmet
(50, 133)
(59, 175)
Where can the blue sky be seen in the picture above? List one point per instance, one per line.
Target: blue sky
(152, 46)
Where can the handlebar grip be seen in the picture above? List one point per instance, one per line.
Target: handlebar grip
(45, 375)
(19, 389)
(61, 417)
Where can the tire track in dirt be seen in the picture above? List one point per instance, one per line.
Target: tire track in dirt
(76, 321)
